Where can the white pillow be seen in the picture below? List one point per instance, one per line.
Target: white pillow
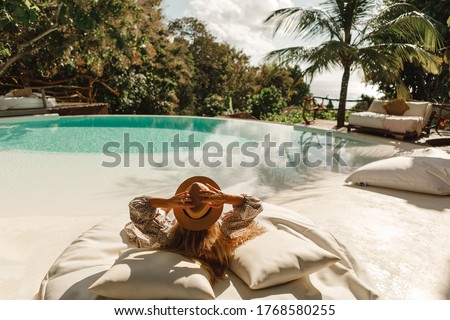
(151, 274)
(416, 109)
(419, 174)
(277, 257)
(377, 106)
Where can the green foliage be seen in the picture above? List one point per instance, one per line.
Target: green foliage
(294, 115)
(421, 84)
(268, 101)
(290, 117)
(289, 80)
(214, 105)
(142, 94)
(150, 68)
(81, 36)
(17, 19)
(216, 70)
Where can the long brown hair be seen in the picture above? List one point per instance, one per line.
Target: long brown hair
(210, 247)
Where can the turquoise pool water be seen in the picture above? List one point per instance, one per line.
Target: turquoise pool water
(91, 134)
(116, 136)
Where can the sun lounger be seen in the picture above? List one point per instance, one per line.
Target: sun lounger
(24, 102)
(408, 125)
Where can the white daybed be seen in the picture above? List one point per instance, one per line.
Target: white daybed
(409, 125)
(96, 253)
(11, 105)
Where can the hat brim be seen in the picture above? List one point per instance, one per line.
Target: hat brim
(208, 219)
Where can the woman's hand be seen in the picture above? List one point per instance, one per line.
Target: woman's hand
(216, 198)
(182, 200)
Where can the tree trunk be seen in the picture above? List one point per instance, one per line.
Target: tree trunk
(343, 97)
(21, 53)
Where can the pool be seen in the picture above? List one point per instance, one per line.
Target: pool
(90, 164)
(159, 139)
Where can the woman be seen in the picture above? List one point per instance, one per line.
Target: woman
(197, 229)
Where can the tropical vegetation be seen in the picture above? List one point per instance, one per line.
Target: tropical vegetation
(361, 34)
(147, 66)
(422, 85)
(140, 63)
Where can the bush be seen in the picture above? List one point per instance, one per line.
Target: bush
(295, 116)
(214, 105)
(268, 101)
(141, 94)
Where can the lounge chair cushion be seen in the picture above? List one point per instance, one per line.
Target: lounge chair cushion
(377, 106)
(419, 174)
(404, 124)
(34, 102)
(277, 257)
(413, 120)
(416, 109)
(368, 119)
(150, 274)
(396, 107)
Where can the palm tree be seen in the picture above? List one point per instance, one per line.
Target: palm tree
(358, 34)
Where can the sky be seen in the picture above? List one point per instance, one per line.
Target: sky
(239, 23)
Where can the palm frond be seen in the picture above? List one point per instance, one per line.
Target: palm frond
(350, 12)
(331, 53)
(384, 62)
(304, 23)
(288, 56)
(379, 65)
(412, 27)
(393, 11)
(402, 90)
(430, 62)
(324, 57)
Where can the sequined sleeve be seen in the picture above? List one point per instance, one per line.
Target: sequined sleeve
(235, 221)
(149, 226)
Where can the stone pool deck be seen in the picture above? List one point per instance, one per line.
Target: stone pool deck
(401, 238)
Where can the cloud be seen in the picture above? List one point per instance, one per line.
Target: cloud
(239, 22)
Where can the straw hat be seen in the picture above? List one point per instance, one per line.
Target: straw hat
(202, 216)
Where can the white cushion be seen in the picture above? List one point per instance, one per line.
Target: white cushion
(377, 106)
(24, 103)
(416, 109)
(150, 274)
(368, 119)
(402, 124)
(418, 174)
(277, 257)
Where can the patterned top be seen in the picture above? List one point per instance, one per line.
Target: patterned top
(150, 227)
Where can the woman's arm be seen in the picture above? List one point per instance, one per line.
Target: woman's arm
(243, 215)
(216, 198)
(245, 207)
(150, 224)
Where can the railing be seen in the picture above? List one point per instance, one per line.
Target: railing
(76, 89)
(310, 105)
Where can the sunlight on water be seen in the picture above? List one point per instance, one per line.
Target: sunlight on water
(164, 141)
